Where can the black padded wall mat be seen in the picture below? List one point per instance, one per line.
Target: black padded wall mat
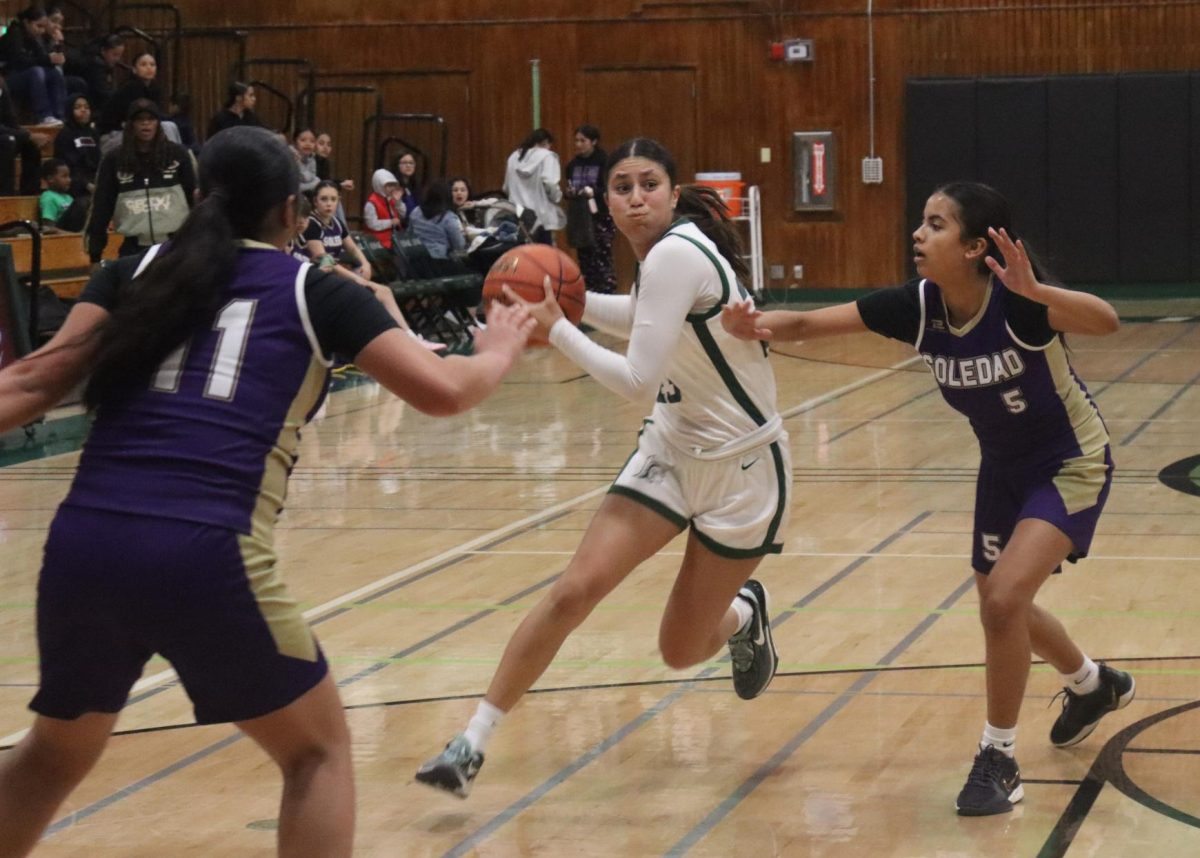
(1011, 149)
(1081, 191)
(940, 141)
(1154, 182)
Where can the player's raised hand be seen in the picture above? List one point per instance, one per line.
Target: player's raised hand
(741, 319)
(1017, 275)
(546, 312)
(507, 332)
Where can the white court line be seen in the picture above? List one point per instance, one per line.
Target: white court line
(467, 547)
(1103, 558)
(841, 391)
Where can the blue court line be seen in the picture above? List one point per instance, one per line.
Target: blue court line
(1158, 411)
(751, 783)
(875, 417)
(1146, 357)
(480, 834)
(138, 786)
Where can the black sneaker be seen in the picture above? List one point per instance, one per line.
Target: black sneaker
(751, 648)
(454, 769)
(1082, 712)
(993, 786)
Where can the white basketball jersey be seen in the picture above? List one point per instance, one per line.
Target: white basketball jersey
(718, 397)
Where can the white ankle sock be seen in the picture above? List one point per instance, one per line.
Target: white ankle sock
(1004, 741)
(744, 611)
(1085, 680)
(487, 718)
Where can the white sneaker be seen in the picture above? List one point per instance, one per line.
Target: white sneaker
(51, 122)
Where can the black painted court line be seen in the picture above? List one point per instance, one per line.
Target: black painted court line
(1108, 768)
(1128, 439)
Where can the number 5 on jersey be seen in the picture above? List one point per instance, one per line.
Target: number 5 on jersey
(1014, 400)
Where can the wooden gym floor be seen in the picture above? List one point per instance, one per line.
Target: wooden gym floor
(417, 545)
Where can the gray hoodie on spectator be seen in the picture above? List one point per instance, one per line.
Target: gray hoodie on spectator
(532, 182)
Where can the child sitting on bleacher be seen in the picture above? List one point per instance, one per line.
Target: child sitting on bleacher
(56, 199)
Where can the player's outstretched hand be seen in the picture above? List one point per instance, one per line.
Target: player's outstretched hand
(507, 332)
(1018, 274)
(741, 319)
(546, 312)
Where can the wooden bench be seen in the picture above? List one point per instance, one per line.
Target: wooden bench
(65, 263)
(18, 208)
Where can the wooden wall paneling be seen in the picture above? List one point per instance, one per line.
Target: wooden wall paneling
(444, 92)
(745, 101)
(642, 101)
(341, 111)
(206, 62)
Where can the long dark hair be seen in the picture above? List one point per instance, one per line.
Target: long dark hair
(981, 206)
(700, 204)
(237, 88)
(536, 136)
(435, 200)
(245, 172)
(162, 151)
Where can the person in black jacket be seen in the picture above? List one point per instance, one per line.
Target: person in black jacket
(16, 141)
(33, 73)
(78, 146)
(146, 187)
(99, 71)
(143, 85)
(238, 109)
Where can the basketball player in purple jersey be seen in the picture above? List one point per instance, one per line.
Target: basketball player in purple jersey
(206, 356)
(993, 344)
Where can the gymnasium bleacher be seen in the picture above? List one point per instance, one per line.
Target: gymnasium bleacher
(293, 94)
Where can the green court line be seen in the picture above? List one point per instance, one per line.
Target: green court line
(1115, 291)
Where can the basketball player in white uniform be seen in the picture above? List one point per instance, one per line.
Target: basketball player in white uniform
(712, 456)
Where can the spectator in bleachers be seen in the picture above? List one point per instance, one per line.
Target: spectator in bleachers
(531, 180)
(145, 187)
(31, 70)
(100, 66)
(594, 229)
(328, 238)
(304, 144)
(323, 153)
(143, 85)
(17, 142)
(406, 174)
(56, 198)
(179, 112)
(238, 110)
(435, 223)
(78, 147)
(464, 206)
(381, 218)
(298, 247)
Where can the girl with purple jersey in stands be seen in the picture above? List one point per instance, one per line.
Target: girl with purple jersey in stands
(201, 378)
(984, 320)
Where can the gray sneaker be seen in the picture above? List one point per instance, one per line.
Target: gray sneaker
(454, 769)
(751, 649)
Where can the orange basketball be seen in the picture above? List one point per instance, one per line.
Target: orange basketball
(525, 267)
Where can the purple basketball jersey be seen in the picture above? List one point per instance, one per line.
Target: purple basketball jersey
(1023, 400)
(213, 437)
